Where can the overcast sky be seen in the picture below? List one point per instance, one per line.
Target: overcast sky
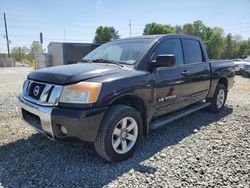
(80, 18)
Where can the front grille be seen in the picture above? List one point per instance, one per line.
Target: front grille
(32, 119)
(41, 93)
(35, 90)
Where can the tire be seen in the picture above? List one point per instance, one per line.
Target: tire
(217, 103)
(108, 144)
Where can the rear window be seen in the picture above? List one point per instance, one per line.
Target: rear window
(192, 51)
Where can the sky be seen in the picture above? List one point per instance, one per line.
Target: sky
(77, 20)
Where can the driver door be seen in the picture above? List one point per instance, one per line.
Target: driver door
(169, 82)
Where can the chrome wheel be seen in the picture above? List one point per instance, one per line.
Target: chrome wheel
(220, 99)
(124, 135)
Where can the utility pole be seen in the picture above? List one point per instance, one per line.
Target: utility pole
(19, 54)
(130, 28)
(6, 35)
(64, 35)
(41, 39)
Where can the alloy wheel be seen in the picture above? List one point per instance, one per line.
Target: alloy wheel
(124, 135)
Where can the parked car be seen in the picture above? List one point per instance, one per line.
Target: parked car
(123, 89)
(246, 69)
(247, 59)
(239, 63)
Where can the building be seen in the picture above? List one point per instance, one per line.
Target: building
(68, 53)
(63, 53)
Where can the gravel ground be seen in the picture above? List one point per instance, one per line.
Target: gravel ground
(200, 150)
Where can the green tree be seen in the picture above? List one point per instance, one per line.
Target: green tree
(230, 47)
(215, 43)
(212, 37)
(36, 47)
(197, 28)
(236, 48)
(105, 34)
(155, 28)
(218, 45)
(244, 49)
(188, 29)
(3, 55)
(20, 53)
(248, 43)
(23, 50)
(178, 29)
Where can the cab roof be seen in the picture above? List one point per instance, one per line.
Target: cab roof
(160, 36)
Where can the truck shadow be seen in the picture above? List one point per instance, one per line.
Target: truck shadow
(40, 162)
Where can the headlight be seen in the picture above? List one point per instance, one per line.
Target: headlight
(25, 87)
(82, 92)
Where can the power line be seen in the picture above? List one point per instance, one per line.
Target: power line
(75, 32)
(78, 24)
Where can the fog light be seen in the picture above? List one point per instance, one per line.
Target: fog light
(64, 130)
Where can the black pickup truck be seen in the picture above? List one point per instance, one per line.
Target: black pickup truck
(124, 88)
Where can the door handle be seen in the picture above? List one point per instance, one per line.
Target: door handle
(185, 73)
(206, 69)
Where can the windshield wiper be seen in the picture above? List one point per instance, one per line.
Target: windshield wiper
(86, 61)
(106, 61)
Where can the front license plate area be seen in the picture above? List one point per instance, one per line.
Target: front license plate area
(32, 119)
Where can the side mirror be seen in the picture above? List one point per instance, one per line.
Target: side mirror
(163, 60)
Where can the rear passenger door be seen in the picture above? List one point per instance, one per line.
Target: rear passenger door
(196, 71)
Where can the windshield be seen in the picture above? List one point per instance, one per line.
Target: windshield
(123, 51)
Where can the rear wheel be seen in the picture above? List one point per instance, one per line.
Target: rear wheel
(120, 133)
(219, 99)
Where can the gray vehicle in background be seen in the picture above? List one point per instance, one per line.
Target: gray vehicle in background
(246, 69)
(241, 66)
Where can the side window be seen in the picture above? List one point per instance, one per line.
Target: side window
(170, 46)
(192, 51)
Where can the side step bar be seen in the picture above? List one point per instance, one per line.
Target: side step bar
(176, 115)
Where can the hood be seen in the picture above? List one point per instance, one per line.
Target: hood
(68, 74)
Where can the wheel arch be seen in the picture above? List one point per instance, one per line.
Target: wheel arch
(135, 102)
(223, 80)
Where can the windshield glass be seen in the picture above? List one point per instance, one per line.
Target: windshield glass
(123, 51)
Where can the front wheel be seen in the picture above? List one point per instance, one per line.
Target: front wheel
(120, 133)
(219, 99)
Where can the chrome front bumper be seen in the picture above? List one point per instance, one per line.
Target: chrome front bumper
(42, 114)
(49, 120)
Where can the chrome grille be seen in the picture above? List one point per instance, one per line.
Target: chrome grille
(48, 96)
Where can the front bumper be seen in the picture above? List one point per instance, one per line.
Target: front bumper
(82, 124)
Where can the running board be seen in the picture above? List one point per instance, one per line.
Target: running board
(176, 115)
